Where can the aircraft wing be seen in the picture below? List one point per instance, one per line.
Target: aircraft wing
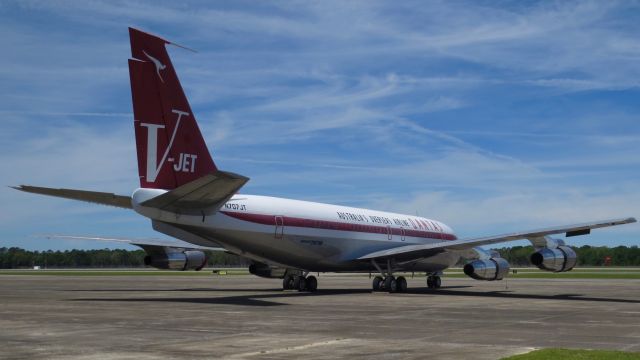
(103, 198)
(140, 242)
(417, 251)
(202, 196)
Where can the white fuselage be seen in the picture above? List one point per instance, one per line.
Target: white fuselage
(305, 235)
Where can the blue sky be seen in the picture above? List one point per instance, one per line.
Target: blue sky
(489, 116)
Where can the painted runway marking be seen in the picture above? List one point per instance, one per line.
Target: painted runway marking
(289, 348)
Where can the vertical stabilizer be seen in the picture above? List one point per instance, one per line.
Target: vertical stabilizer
(171, 149)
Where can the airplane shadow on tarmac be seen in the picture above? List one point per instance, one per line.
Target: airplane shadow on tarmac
(267, 297)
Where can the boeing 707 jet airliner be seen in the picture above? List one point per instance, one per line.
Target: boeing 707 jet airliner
(187, 197)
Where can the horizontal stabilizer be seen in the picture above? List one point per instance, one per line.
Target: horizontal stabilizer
(203, 196)
(103, 198)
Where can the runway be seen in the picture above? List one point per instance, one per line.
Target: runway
(245, 317)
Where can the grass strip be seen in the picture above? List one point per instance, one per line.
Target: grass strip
(564, 275)
(570, 354)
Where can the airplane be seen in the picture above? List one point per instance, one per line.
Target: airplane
(188, 198)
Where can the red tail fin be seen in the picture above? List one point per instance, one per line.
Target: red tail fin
(171, 150)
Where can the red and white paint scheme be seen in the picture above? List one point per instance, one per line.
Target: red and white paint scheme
(188, 198)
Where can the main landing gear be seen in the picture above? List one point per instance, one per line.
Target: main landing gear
(300, 283)
(388, 282)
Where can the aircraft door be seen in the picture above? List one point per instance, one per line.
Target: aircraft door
(279, 227)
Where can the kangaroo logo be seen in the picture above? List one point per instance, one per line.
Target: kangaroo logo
(187, 162)
(157, 63)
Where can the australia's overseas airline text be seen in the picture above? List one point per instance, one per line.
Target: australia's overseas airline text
(408, 222)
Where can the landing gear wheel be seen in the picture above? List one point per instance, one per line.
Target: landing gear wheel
(301, 283)
(377, 281)
(437, 282)
(401, 284)
(287, 282)
(390, 284)
(312, 284)
(434, 282)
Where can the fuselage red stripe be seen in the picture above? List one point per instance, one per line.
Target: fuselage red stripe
(335, 225)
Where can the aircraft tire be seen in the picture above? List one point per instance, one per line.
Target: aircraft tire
(430, 282)
(287, 282)
(312, 283)
(295, 283)
(377, 281)
(401, 283)
(390, 284)
(301, 283)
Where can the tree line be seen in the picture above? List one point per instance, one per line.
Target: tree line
(587, 255)
(16, 258)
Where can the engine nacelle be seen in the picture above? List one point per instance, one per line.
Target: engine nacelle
(491, 269)
(560, 259)
(265, 271)
(177, 260)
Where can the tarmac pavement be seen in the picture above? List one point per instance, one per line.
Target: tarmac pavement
(245, 317)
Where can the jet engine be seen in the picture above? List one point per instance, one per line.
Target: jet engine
(266, 271)
(559, 259)
(494, 268)
(175, 259)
